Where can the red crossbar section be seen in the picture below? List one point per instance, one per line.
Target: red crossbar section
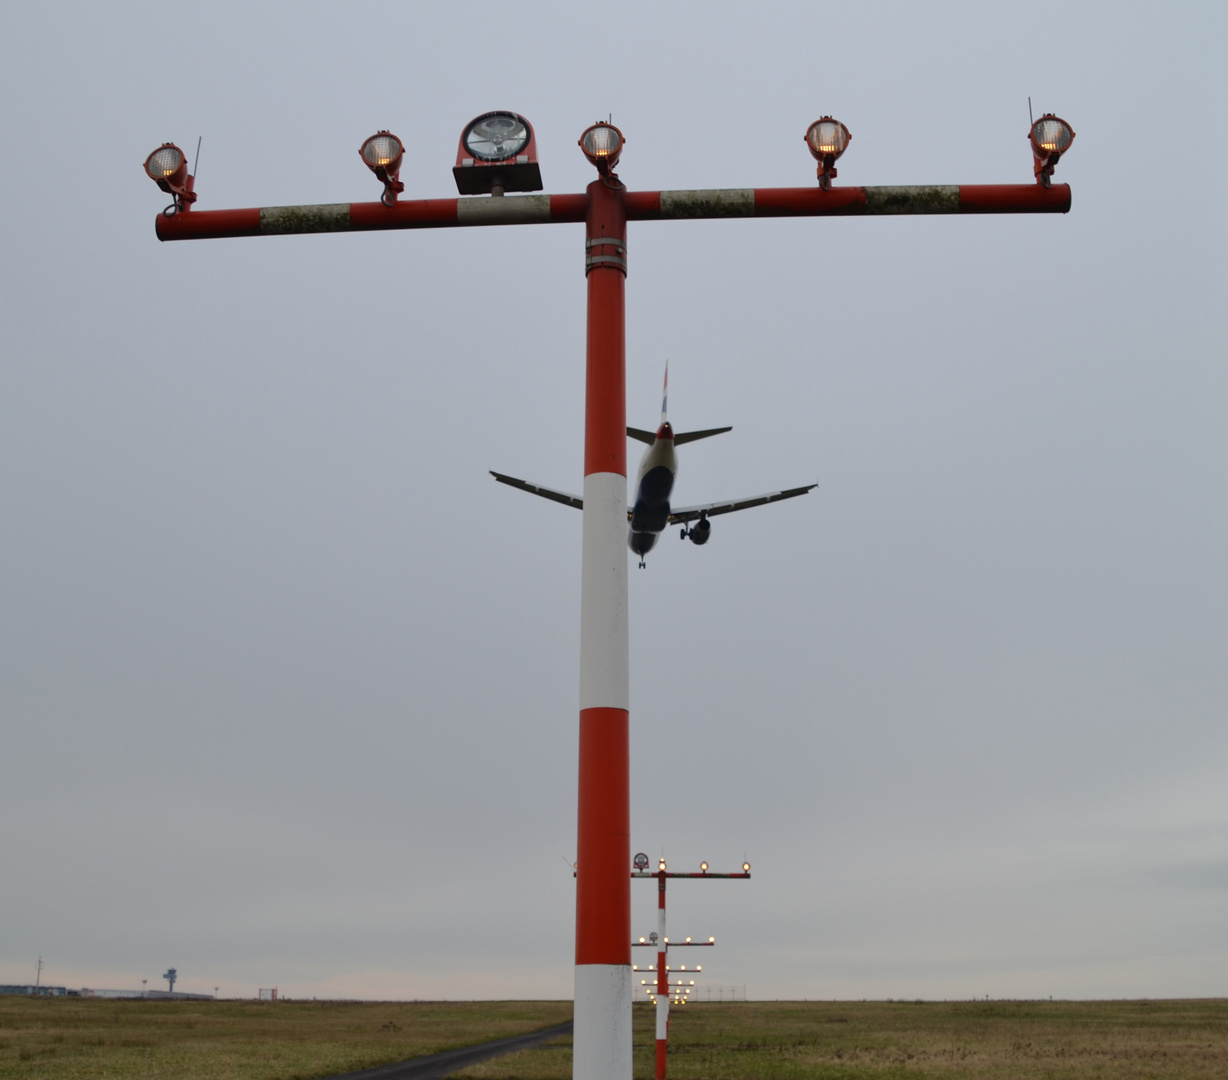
(603, 893)
(1014, 199)
(208, 224)
(605, 428)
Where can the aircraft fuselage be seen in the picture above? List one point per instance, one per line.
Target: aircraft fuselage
(653, 484)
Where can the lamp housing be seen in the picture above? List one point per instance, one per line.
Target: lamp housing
(382, 154)
(497, 153)
(1050, 137)
(603, 146)
(826, 140)
(168, 168)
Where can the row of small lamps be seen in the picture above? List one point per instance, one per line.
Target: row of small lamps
(498, 153)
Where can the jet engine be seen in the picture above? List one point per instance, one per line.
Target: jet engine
(700, 531)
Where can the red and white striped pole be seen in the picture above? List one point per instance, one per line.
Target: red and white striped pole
(662, 979)
(602, 1040)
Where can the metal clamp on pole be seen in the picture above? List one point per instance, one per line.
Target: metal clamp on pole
(619, 261)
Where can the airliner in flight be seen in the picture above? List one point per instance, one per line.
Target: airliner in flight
(651, 513)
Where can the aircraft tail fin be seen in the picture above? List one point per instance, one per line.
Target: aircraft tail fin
(665, 395)
(640, 435)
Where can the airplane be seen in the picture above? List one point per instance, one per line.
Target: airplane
(651, 513)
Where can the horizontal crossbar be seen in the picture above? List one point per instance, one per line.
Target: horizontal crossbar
(640, 206)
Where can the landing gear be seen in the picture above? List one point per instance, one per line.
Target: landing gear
(682, 533)
(643, 564)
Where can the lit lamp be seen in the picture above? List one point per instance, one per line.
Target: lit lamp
(498, 153)
(827, 140)
(1050, 138)
(168, 168)
(382, 154)
(602, 145)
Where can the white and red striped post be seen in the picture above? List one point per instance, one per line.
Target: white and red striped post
(662, 979)
(602, 1043)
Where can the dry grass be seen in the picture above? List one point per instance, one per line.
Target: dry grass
(62, 1038)
(1165, 1040)
(57, 1039)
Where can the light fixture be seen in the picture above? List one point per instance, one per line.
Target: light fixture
(168, 168)
(703, 866)
(746, 868)
(1050, 137)
(641, 861)
(498, 153)
(382, 154)
(827, 139)
(602, 145)
(661, 864)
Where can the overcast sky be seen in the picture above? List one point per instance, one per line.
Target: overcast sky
(289, 686)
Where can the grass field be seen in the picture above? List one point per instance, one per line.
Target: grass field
(1167, 1040)
(60, 1038)
(79, 1038)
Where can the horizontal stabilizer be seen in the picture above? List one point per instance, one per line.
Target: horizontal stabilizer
(536, 489)
(650, 437)
(691, 436)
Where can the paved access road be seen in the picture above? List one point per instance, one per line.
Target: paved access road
(437, 1066)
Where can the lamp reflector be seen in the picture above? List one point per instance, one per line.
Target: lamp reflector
(602, 141)
(1051, 135)
(164, 162)
(602, 144)
(496, 136)
(382, 150)
(827, 138)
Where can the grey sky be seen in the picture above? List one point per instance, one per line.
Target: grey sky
(288, 685)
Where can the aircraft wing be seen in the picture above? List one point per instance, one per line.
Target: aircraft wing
(544, 492)
(684, 514)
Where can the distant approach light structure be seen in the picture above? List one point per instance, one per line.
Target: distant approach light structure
(670, 984)
(603, 1044)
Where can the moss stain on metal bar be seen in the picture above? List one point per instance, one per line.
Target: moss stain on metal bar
(505, 210)
(325, 217)
(929, 199)
(730, 202)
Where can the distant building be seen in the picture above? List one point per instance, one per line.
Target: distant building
(30, 990)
